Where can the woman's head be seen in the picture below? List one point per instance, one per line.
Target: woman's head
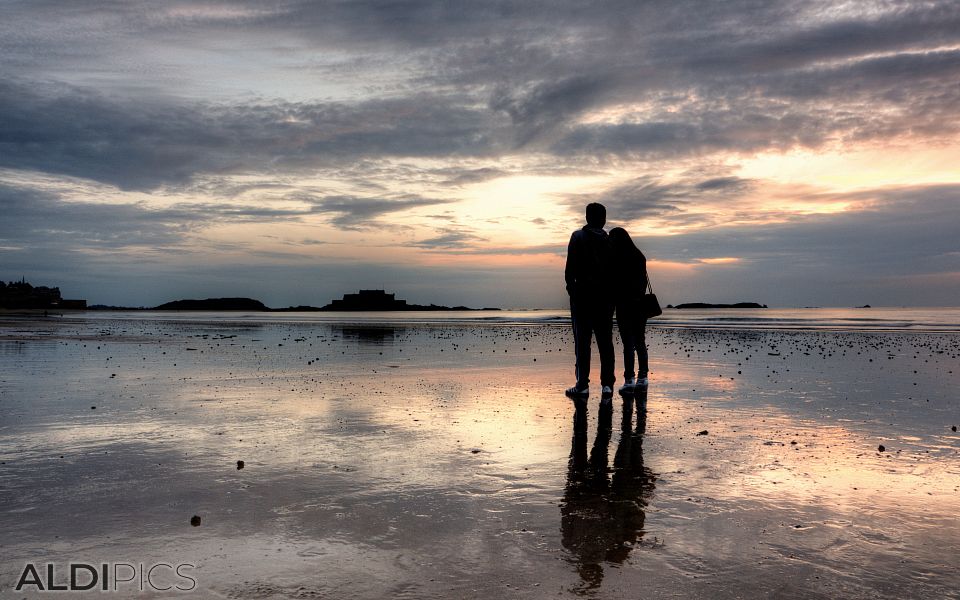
(620, 238)
(622, 244)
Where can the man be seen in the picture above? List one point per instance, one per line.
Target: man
(591, 302)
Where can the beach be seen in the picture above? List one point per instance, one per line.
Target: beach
(437, 457)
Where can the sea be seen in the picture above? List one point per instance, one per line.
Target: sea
(929, 319)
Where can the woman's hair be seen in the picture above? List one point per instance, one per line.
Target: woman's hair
(626, 255)
(623, 244)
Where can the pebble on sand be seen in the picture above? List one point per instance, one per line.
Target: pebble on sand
(881, 448)
(195, 520)
(239, 464)
(704, 432)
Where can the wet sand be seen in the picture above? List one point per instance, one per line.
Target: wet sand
(434, 461)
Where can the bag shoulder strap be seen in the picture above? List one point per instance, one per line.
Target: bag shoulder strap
(649, 285)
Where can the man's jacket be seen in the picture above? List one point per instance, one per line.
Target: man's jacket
(589, 259)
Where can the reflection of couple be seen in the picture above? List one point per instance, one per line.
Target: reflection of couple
(606, 272)
(602, 516)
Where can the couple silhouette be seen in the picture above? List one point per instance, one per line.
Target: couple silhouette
(606, 273)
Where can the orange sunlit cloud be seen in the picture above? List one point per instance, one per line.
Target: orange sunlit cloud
(719, 260)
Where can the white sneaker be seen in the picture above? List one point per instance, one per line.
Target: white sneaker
(643, 382)
(606, 392)
(577, 392)
(627, 386)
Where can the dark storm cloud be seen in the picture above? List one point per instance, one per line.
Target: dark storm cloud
(143, 144)
(483, 79)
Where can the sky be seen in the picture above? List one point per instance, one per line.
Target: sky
(792, 153)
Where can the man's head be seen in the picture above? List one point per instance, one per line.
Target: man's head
(596, 214)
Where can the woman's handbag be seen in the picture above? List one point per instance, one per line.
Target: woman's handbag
(649, 305)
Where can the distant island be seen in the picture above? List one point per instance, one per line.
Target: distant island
(215, 304)
(362, 301)
(707, 305)
(22, 295)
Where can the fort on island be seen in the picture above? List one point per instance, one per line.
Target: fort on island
(380, 300)
(368, 300)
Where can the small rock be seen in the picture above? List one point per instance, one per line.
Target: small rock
(881, 448)
(93, 408)
(195, 520)
(475, 451)
(704, 432)
(954, 428)
(239, 464)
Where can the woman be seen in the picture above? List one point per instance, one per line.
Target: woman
(631, 267)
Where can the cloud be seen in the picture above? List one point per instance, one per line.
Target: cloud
(357, 213)
(35, 219)
(548, 104)
(675, 201)
(893, 232)
(449, 238)
(483, 81)
(460, 177)
(144, 144)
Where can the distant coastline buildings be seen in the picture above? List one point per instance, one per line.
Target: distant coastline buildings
(22, 295)
(362, 301)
